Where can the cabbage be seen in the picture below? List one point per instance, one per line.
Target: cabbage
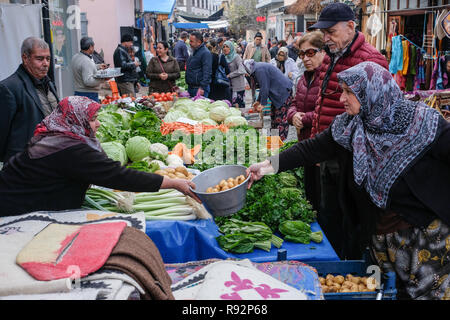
(173, 116)
(198, 114)
(220, 113)
(209, 122)
(235, 121)
(115, 151)
(236, 112)
(219, 103)
(203, 104)
(137, 148)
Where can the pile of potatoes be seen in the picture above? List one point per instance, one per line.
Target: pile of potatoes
(337, 284)
(176, 173)
(226, 184)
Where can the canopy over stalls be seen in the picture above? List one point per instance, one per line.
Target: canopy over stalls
(190, 25)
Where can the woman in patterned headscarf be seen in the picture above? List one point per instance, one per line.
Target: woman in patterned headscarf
(395, 161)
(63, 159)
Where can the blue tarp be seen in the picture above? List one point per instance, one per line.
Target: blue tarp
(185, 241)
(192, 25)
(159, 6)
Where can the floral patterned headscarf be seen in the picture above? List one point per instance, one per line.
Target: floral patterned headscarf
(387, 135)
(66, 126)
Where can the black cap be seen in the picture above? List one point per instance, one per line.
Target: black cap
(126, 38)
(258, 35)
(333, 14)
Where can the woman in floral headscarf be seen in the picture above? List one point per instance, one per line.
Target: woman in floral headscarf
(63, 159)
(395, 161)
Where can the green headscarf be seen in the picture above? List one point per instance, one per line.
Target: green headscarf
(230, 57)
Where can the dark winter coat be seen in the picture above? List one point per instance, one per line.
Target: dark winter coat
(154, 69)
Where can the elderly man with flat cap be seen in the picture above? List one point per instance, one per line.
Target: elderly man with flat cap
(345, 48)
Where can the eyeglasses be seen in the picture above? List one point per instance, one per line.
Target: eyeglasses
(309, 53)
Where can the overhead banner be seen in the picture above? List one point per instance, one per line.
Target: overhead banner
(17, 22)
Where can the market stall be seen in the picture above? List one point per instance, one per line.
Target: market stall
(184, 137)
(184, 241)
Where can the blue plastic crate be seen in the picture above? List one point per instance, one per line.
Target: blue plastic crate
(356, 268)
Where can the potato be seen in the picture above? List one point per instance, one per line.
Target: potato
(190, 176)
(337, 286)
(241, 179)
(348, 277)
(170, 170)
(231, 185)
(345, 290)
(182, 170)
(322, 281)
(160, 172)
(364, 280)
(215, 190)
(329, 282)
(230, 180)
(209, 190)
(355, 280)
(329, 277)
(347, 284)
(354, 288)
(180, 175)
(171, 175)
(339, 279)
(224, 188)
(371, 284)
(332, 290)
(223, 183)
(325, 289)
(361, 287)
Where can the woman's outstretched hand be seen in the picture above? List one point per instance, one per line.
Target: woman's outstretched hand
(259, 170)
(181, 185)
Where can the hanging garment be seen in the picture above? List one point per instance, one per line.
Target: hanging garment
(396, 63)
(420, 70)
(405, 46)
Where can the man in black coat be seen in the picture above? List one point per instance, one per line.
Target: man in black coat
(27, 97)
(128, 66)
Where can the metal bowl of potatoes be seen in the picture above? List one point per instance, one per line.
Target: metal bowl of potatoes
(222, 189)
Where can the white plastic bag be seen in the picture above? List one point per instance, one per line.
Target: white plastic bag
(374, 25)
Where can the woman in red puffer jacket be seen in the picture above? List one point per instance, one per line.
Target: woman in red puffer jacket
(301, 112)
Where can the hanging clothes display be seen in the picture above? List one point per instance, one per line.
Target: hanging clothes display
(411, 69)
(420, 71)
(396, 63)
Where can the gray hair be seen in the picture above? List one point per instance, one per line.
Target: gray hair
(86, 43)
(32, 42)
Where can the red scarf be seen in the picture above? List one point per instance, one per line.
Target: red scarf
(67, 126)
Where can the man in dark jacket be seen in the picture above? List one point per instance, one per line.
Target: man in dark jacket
(27, 97)
(128, 66)
(345, 48)
(180, 51)
(199, 67)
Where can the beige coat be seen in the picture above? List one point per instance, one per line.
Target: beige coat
(250, 51)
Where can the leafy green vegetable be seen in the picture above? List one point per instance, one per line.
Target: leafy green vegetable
(144, 166)
(287, 179)
(268, 204)
(299, 232)
(244, 237)
(116, 151)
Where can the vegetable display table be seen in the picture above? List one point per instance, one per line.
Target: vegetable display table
(184, 241)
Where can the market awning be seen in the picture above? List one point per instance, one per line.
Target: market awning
(217, 24)
(178, 25)
(199, 19)
(158, 6)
